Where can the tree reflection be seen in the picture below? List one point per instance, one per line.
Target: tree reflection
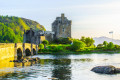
(62, 69)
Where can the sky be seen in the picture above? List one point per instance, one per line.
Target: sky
(90, 18)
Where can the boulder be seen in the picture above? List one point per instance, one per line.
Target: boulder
(106, 69)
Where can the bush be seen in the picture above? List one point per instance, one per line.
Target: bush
(41, 46)
(110, 45)
(57, 49)
(63, 41)
(45, 42)
(77, 45)
(105, 43)
(99, 46)
(116, 46)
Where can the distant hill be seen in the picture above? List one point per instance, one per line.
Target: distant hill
(12, 28)
(100, 40)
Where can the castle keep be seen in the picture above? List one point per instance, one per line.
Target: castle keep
(62, 27)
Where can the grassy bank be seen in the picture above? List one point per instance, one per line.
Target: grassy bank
(66, 49)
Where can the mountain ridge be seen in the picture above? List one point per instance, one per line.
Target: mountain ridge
(100, 40)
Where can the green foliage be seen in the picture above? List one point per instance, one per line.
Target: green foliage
(45, 42)
(117, 47)
(105, 43)
(110, 45)
(87, 40)
(12, 28)
(63, 40)
(83, 39)
(58, 47)
(41, 46)
(77, 45)
(100, 46)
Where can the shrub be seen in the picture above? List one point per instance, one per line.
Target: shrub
(77, 45)
(105, 43)
(63, 41)
(41, 46)
(116, 46)
(110, 45)
(57, 49)
(45, 42)
(99, 46)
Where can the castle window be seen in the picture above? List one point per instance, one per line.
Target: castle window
(63, 29)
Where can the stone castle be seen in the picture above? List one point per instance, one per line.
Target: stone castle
(61, 27)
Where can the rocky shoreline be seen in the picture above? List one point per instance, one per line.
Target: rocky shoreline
(26, 60)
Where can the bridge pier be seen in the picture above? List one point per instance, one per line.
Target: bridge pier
(31, 49)
(23, 45)
(15, 53)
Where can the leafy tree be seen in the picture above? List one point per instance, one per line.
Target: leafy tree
(89, 41)
(45, 42)
(110, 45)
(105, 43)
(77, 45)
(83, 39)
(116, 46)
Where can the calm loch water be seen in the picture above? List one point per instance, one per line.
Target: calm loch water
(60, 67)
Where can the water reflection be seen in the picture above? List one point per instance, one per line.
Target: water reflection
(62, 69)
(13, 69)
(50, 67)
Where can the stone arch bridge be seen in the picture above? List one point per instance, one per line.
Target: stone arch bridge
(17, 50)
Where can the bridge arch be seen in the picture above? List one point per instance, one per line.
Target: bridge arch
(19, 53)
(27, 52)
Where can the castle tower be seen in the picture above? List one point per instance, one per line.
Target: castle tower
(62, 27)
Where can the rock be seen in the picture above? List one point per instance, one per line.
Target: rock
(26, 60)
(106, 69)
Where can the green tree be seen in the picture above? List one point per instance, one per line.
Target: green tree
(83, 39)
(89, 41)
(116, 46)
(77, 45)
(45, 42)
(110, 45)
(105, 43)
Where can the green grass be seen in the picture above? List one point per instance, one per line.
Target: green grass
(65, 49)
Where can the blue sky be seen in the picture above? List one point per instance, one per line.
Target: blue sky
(93, 18)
